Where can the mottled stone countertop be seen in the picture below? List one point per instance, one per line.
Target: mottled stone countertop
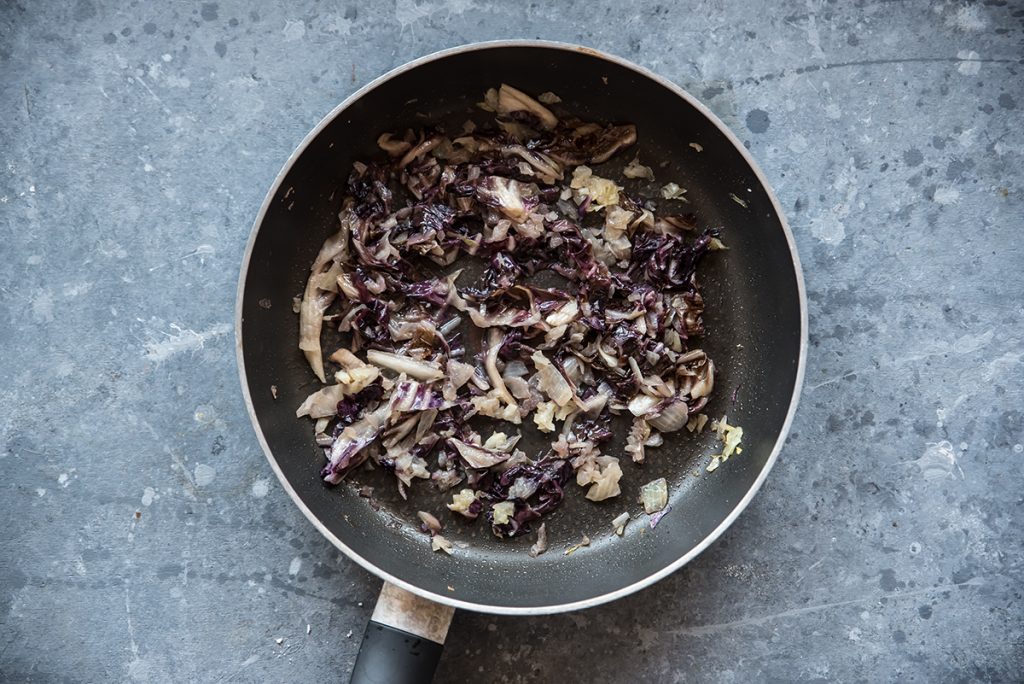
(145, 537)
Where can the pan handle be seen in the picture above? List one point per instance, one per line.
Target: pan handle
(403, 640)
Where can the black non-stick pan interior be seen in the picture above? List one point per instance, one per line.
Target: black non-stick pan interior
(753, 319)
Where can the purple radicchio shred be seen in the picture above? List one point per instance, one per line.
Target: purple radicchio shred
(550, 476)
(656, 517)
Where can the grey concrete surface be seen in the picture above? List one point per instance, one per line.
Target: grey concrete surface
(144, 537)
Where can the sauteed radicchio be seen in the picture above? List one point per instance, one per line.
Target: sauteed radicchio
(618, 336)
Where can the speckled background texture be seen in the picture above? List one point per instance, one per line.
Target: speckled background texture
(144, 537)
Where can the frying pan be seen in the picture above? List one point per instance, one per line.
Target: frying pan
(755, 316)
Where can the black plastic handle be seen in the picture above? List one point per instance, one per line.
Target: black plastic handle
(392, 656)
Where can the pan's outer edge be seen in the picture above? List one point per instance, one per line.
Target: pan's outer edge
(635, 586)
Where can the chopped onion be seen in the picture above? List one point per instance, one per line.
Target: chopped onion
(643, 404)
(420, 370)
(637, 438)
(697, 423)
(393, 147)
(619, 523)
(462, 501)
(673, 191)
(432, 524)
(730, 435)
(603, 477)
(576, 547)
(635, 169)
(670, 415)
(523, 488)
(348, 450)
(459, 373)
(512, 100)
(541, 545)
(322, 403)
(502, 512)
(439, 543)
(477, 456)
(551, 380)
(654, 495)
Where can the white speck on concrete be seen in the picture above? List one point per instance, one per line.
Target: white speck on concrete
(166, 57)
(260, 488)
(972, 343)
(42, 306)
(205, 414)
(63, 479)
(1001, 148)
(813, 36)
(946, 196)
(938, 462)
(175, 81)
(63, 367)
(854, 634)
(148, 494)
(828, 228)
(112, 249)
(967, 138)
(969, 66)
(204, 474)
(828, 225)
(34, 260)
(412, 13)
(337, 24)
(42, 492)
(294, 30)
(1017, 449)
(76, 289)
(968, 18)
(295, 566)
(183, 340)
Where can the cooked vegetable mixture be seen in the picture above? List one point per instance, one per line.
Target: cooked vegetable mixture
(428, 347)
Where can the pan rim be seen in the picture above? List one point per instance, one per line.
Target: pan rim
(634, 586)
